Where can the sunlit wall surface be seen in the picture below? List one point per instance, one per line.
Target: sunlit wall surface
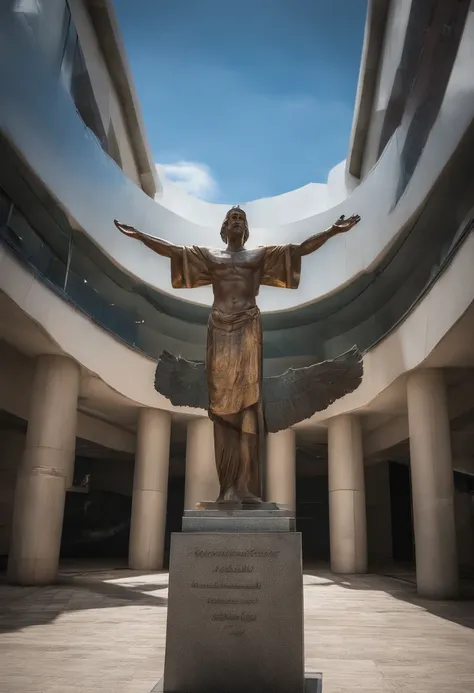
(61, 186)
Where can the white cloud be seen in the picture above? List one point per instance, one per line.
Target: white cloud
(192, 176)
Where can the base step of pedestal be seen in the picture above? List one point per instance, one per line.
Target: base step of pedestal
(313, 683)
(227, 506)
(239, 521)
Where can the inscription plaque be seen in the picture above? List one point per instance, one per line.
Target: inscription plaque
(235, 614)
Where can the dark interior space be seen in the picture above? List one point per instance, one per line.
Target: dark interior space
(97, 522)
(403, 546)
(312, 517)
(96, 525)
(174, 512)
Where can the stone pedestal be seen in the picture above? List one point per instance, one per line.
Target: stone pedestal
(235, 607)
(313, 683)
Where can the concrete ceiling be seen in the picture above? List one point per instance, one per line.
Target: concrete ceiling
(22, 333)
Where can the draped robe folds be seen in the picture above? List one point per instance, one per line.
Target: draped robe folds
(234, 358)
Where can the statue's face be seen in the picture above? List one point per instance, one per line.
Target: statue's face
(236, 225)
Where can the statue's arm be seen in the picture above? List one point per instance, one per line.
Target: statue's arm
(312, 243)
(158, 245)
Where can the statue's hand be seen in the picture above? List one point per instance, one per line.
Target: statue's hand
(127, 230)
(342, 224)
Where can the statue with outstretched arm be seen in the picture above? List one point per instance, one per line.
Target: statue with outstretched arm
(240, 402)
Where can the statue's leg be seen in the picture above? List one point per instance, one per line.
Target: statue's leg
(227, 434)
(249, 452)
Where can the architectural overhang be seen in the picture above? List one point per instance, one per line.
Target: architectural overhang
(105, 23)
(438, 333)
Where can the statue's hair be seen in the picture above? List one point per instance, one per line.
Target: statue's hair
(226, 222)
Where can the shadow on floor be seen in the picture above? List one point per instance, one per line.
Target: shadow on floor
(401, 585)
(84, 586)
(21, 607)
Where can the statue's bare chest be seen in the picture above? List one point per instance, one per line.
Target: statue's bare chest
(247, 261)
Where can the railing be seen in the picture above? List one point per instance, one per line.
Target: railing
(73, 276)
(115, 302)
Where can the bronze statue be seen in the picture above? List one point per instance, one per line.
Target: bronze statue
(241, 403)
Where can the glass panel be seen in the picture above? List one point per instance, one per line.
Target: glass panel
(101, 297)
(67, 64)
(113, 147)
(48, 22)
(30, 10)
(5, 206)
(429, 87)
(32, 249)
(27, 241)
(81, 92)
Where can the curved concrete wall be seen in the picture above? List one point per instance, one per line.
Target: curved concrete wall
(132, 374)
(363, 312)
(92, 190)
(355, 289)
(124, 369)
(302, 203)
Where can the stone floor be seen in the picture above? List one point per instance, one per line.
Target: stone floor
(104, 631)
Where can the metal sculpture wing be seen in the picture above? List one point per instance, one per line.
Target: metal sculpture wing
(182, 382)
(299, 393)
(287, 398)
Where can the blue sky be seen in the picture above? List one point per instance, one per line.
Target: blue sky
(247, 99)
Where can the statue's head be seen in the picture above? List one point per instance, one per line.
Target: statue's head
(235, 226)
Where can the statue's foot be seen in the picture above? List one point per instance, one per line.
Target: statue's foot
(234, 495)
(229, 495)
(248, 497)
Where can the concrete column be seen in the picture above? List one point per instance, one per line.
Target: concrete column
(150, 490)
(432, 485)
(46, 470)
(347, 515)
(201, 483)
(281, 468)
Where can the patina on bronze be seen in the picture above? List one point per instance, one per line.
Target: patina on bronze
(241, 403)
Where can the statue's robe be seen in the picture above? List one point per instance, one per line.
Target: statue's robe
(234, 353)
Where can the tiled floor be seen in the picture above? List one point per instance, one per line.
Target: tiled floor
(105, 632)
